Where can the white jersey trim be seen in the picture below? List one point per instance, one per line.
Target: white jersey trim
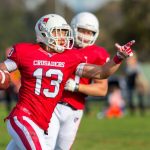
(79, 69)
(10, 64)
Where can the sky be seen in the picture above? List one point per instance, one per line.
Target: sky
(75, 5)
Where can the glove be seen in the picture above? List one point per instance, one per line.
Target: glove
(123, 52)
(71, 85)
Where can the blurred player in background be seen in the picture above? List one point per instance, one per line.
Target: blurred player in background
(137, 84)
(69, 111)
(45, 67)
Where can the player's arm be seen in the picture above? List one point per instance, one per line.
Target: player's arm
(98, 88)
(103, 72)
(99, 72)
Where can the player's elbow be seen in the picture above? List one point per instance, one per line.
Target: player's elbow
(102, 93)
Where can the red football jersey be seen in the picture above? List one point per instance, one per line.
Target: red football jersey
(93, 55)
(43, 76)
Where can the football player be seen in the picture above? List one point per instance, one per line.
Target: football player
(69, 111)
(45, 66)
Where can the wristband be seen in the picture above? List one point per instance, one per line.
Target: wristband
(117, 60)
(76, 88)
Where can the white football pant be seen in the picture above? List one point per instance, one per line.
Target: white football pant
(26, 135)
(63, 127)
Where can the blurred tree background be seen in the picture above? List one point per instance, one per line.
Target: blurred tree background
(120, 21)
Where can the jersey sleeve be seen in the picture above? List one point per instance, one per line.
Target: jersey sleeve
(95, 55)
(102, 56)
(12, 59)
(10, 64)
(13, 55)
(17, 54)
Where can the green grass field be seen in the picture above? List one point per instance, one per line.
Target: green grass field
(128, 133)
(4, 137)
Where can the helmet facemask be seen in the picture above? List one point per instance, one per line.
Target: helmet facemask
(62, 35)
(82, 39)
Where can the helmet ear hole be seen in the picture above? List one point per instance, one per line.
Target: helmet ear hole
(43, 34)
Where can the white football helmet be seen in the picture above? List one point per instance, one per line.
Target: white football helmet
(86, 21)
(53, 22)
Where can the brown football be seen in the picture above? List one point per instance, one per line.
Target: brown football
(4, 79)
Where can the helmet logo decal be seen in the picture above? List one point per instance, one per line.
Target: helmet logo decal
(43, 23)
(45, 20)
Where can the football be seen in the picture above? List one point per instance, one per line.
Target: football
(4, 79)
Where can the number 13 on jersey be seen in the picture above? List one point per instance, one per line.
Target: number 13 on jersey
(38, 74)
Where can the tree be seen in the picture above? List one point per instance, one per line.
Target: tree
(136, 25)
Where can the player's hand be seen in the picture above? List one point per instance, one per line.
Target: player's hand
(71, 85)
(125, 50)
